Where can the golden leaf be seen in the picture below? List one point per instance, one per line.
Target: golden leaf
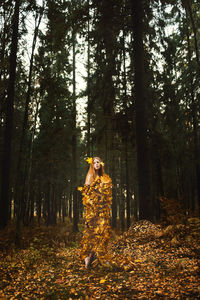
(72, 291)
(89, 160)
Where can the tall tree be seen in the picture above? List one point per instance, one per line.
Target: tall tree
(89, 101)
(194, 106)
(6, 158)
(141, 114)
(74, 138)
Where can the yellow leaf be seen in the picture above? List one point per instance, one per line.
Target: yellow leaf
(72, 291)
(138, 260)
(89, 160)
(102, 280)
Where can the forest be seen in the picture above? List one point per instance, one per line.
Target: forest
(113, 79)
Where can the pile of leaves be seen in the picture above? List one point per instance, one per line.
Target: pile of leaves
(162, 261)
(146, 262)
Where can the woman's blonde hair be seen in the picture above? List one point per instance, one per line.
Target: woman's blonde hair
(91, 174)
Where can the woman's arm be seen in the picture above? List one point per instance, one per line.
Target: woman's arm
(88, 179)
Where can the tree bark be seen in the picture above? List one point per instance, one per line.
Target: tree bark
(128, 198)
(114, 196)
(122, 198)
(88, 87)
(74, 143)
(128, 213)
(141, 115)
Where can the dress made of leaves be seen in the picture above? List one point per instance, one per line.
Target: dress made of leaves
(97, 199)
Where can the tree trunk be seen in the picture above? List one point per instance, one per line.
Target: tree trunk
(128, 198)
(70, 204)
(47, 203)
(32, 206)
(126, 137)
(88, 87)
(114, 197)
(74, 143)
(194, 118)
(6, 158)
(64, 207)
(55, 194)
(39, 202)
(141, 115)
(122, 199)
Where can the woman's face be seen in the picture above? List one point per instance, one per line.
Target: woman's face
(97, 164)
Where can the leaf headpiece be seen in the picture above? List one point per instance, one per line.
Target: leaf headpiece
(90, 159)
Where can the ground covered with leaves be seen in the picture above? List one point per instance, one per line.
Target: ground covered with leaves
(146, 262)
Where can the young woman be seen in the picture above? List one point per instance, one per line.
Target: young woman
(97, 198)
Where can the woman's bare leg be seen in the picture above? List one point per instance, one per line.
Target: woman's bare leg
(89, 259)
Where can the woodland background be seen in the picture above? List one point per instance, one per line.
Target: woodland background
(139, 107)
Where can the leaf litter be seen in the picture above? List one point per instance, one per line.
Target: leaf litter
(148, 261)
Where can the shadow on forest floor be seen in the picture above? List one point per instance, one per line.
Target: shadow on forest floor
(146, 262)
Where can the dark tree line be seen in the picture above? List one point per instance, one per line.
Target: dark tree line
(140, 110)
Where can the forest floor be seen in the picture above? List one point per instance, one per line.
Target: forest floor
(147, 262)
